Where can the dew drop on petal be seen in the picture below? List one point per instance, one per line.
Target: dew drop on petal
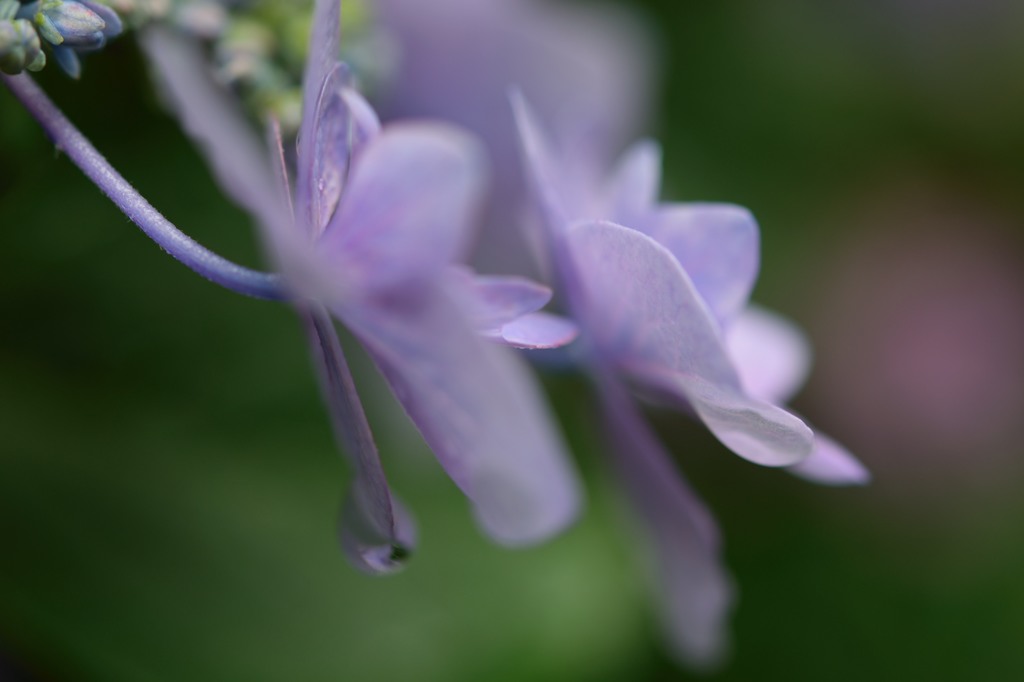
(370, 547)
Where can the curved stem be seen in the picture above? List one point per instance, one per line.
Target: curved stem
(193, 255)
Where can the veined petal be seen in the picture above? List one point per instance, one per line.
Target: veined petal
(646, 317)
(770, 353)
(330, 151)
(635, 183)
(321, 59)
(234, 152)
(718, 246)
(376, 532)
(408, 206)
(342, 125)
(831, 464)
(478, 410)
(696, 593)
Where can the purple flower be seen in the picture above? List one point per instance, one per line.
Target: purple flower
(376, 220)
(660, 293)
(588, 69)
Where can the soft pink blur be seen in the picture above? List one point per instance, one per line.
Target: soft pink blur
(920, 340)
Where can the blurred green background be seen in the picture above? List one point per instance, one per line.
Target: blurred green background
(169, 487)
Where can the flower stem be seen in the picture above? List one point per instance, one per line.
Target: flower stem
(190, 253)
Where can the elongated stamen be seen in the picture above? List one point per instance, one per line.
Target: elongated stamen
(190, 253)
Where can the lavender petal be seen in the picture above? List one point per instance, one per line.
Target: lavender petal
(718, 246)
(330, 151)
(831, 464)
(771, 354)
(635, 183)
(495, 300)
(696, 594)
(375, 531)
(321, 59)
(234, 152)
(408, 206)
(541, 174)
(478, 409)
(537, 331)
(646, 317)
(365, 124)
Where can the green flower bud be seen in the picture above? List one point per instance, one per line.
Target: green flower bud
(20, 48)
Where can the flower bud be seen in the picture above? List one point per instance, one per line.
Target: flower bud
(113, 22)
(69, 23)
(20, 48)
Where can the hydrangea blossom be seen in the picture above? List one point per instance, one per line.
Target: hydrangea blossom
(660, 292)
(377, 217)
(589, 70)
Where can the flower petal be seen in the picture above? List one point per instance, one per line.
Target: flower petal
(696, 594)
(477, 408)
(330, 151)
(376, 533)
(646, 317)
(495, 300)
(408, 206)
(831, 464)
(635, 184)
(771, 354)
(718, 246)
(236, 155)
(541, 175)
(365, 124)
(538, 331)
(321, 60)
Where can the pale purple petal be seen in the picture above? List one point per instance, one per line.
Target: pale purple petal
(375, 532)
(112, 22)
(495, 300)
(408, 206)
(541, 173)
(770, 353)
(591, 67)
(234, 152)
(365, 124)
(635, 183)
(330, 151)
(504, 309)
(717, 244)
(696, 593)
(645, 316)
(538, 331)
(321, 59)
(831, 464)
(477, 408)
(589, 71)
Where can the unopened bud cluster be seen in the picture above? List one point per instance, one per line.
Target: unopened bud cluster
(67, 28)
(258, 48)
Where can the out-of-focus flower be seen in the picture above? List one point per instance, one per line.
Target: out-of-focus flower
(588, 71)
(658, 290)
(378, 217)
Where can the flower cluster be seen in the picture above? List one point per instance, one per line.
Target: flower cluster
(370, 224)
(67, 27)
